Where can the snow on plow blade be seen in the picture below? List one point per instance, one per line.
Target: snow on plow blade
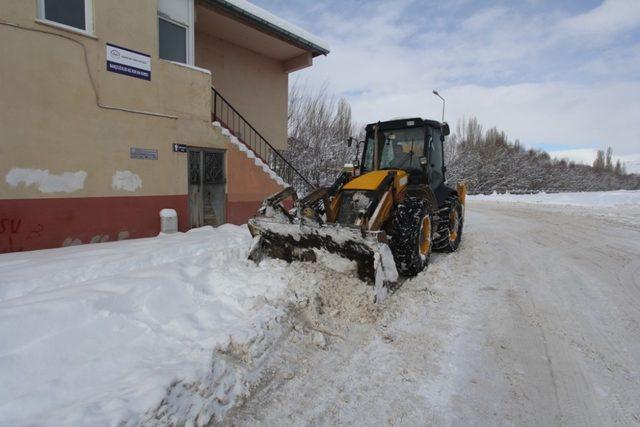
(296, 241)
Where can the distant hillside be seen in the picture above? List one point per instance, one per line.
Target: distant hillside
(489, 162)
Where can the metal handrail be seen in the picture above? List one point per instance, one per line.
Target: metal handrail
(235, 122)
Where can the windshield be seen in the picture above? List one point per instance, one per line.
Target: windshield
(399, 149)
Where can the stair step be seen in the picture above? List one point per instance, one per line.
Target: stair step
(250, 154)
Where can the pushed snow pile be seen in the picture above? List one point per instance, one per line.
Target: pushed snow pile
(587, 199)
(141, 331)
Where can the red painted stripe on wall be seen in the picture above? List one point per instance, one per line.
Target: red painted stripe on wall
(239, 212)
(28, 224)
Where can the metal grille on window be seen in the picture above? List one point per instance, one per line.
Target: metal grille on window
(213, 168)
(194, 167)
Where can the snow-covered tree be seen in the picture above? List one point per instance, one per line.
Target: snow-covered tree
(599, 162)
(608, 165)
(489, 162)
(320, 124)
(319, 127)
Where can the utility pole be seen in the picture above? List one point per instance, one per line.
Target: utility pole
(435, 92)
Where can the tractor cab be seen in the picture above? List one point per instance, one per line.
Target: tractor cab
(412, 145)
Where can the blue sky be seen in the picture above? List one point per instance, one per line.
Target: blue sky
(560, 75)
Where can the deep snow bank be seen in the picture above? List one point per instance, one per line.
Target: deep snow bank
(142, 331)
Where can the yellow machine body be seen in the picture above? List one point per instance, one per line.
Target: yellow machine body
(372, 180)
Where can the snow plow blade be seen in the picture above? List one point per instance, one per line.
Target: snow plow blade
(278, 238)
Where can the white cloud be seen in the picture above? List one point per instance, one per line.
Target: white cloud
(586, 156)
(596, 115)
(574, 115)
(485, 19)
(611, 17)
(522, 72)
(632, 163)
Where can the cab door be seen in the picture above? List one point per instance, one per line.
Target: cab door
(436, 159)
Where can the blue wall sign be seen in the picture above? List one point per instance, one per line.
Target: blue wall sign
(128, 62)
(144, 153)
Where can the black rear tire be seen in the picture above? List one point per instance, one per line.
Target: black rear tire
(412, 238)
(450, 225)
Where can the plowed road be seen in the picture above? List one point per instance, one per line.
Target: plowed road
(535, 321)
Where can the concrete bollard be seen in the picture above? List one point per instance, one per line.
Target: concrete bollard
(168, 221)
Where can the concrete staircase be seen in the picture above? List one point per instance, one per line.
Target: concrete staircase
(242, 134)
(244, 148)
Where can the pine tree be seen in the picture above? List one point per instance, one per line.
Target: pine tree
(599, 162)
(608, 160)
(618, 168)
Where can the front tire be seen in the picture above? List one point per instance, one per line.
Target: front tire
(412, 239)
(450, 226)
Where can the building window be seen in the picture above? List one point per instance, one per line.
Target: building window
(173, 41)
(175, 30)
(71, 13)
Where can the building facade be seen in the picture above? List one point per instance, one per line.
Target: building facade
(112, 111)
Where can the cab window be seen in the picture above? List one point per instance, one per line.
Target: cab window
(367, 155)
(402, 149)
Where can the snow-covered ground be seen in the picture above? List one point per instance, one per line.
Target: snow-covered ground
(586, 199)
(96, 334)
(622, 207)
(534, 321)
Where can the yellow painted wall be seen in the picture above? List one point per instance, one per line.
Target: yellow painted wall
(52, 86)
(254, 84)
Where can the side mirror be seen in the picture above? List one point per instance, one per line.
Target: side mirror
(445, 129)
(444, 169)
(349, 141)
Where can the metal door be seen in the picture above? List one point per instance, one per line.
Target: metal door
(206, 187)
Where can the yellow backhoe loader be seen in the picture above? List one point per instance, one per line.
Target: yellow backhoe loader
(386, 213)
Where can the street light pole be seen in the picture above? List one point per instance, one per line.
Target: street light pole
(435, 92)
